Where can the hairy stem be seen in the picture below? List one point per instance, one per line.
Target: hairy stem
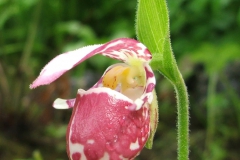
(183, 118)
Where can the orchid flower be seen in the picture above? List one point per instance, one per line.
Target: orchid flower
(112, 119)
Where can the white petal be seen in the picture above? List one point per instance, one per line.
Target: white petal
(62, 63)
(120, 49)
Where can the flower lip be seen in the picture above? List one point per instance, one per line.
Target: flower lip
(100, 120)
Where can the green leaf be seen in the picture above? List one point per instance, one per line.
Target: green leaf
(152, 29)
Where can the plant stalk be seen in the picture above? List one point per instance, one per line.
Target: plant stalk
(183, 118)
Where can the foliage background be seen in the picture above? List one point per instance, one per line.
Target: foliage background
(205, 39)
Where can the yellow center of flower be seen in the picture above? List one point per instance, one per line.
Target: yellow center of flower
(125, 76)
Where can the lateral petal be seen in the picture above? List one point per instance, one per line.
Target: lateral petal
(63, 103)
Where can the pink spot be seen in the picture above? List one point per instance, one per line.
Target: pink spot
(76, 156)
(70, 102)
(149, 73)
(150, 87)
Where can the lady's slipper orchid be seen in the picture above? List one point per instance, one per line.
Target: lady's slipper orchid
(111, 120)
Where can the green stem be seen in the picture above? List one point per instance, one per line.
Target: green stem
(183, 118)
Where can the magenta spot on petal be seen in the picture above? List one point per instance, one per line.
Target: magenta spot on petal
(150, 87)
(70, 102)
(149, 74)
(124, 44)
(76, 156)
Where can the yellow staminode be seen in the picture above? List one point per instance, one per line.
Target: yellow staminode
(125, 76)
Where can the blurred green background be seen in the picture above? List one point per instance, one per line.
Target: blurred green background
(206, 41)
